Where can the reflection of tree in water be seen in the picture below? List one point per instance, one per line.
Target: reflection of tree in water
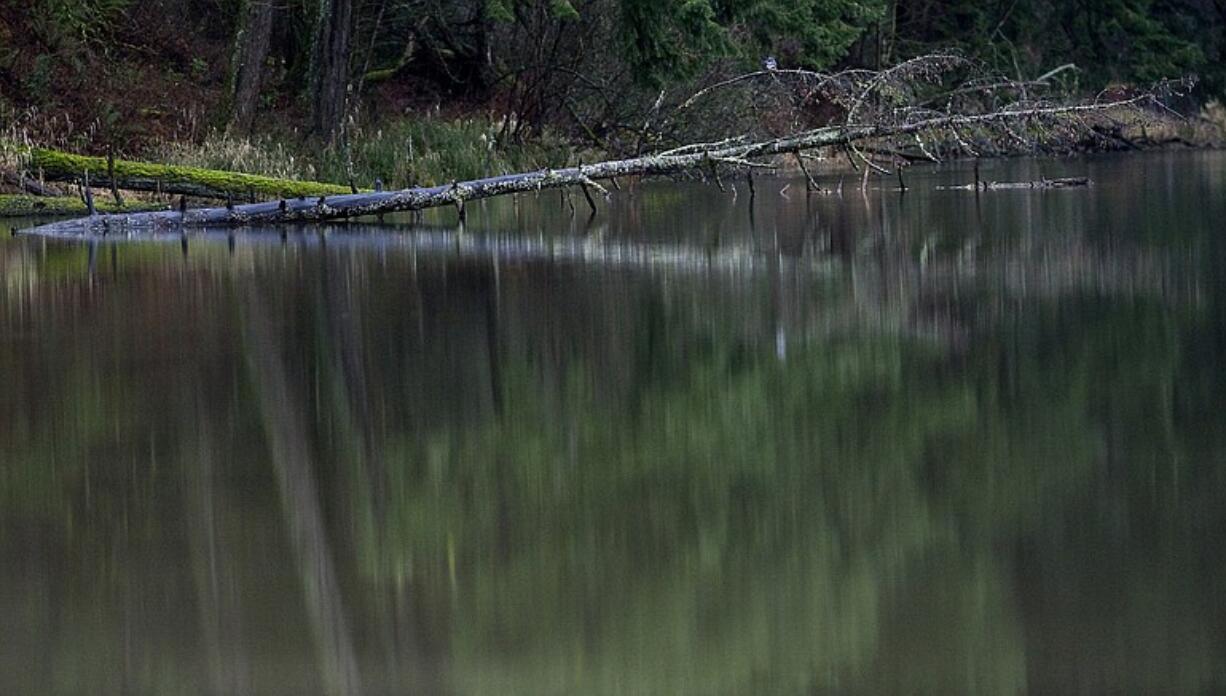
(713, 518)
(738, 524)
(552, 478)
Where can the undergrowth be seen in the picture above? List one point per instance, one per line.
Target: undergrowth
(403, 153)
(60, 21)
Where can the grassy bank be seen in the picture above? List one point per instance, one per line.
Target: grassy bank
(402, 153)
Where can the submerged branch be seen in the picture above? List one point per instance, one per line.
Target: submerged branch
(1065, 182)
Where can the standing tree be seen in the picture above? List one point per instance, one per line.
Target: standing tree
(330, 73)
(251, 44)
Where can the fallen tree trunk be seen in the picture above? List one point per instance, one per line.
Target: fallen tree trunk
(689, 157)
(173, 179)
(25, 183)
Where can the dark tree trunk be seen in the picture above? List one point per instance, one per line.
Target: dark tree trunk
(250, 52)
(331, 75)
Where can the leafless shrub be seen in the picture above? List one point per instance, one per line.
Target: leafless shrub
(947, 91)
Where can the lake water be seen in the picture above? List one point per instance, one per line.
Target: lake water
(923, 443)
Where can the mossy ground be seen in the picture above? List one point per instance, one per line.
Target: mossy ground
(31, 206)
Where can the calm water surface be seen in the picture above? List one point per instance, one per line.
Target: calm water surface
(927, 443)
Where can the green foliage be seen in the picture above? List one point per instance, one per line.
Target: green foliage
(1135, 41)
(499, 10)
(1154, 50)
(504, 10)
(814, 34)
(563, 9)
(1120, 40)
(667, 40)
(85, 21)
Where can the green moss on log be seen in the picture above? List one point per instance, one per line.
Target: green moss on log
(192, 181)
(32, 206)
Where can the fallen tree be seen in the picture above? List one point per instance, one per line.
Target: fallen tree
(20, 181)
(172, 179)
(878, 109)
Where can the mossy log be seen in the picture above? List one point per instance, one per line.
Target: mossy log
(174, 179)
(16, 206)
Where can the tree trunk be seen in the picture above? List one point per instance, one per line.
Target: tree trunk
(330, 80)
(250, 53)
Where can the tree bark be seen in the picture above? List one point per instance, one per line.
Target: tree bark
(331, 76)
(250, 52)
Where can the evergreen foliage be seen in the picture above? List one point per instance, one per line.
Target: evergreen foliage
(668, 40)
(1109, 41)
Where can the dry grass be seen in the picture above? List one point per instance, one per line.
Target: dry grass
(402, 153)
(226, 153)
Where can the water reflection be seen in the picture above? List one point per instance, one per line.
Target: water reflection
(922, 444)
